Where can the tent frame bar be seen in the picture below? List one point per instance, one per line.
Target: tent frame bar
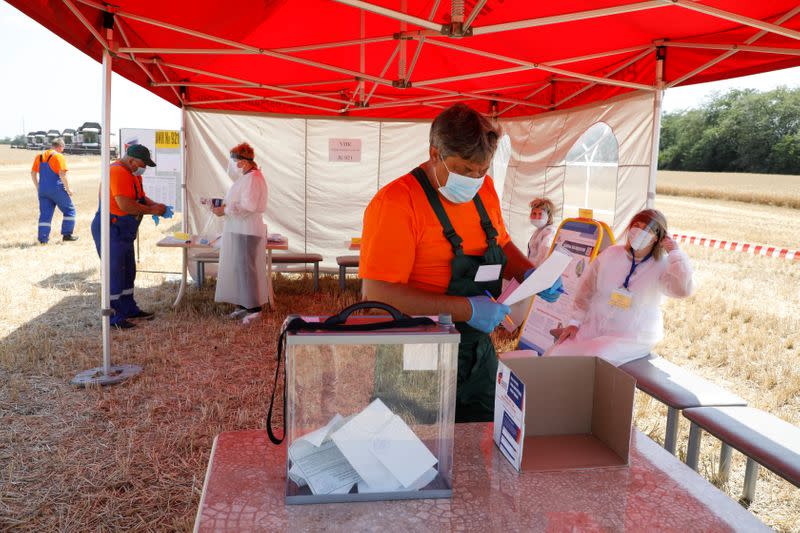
(781, 20)
(391, 13)
(733, 47)
(733, 17)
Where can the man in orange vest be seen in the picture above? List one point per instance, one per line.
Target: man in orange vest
(49, 175)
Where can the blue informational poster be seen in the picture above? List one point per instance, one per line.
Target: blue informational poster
(578, 239)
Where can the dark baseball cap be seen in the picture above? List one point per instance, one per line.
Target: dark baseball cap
(140, 151)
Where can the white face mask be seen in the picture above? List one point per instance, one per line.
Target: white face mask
(639, 239)
(459, 189)
(539, 222)
(234, 172)
(139, 171)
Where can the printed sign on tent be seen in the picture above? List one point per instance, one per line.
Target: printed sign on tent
(161, 183)
(344, 150)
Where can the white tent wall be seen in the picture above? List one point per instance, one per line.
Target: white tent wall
(539, 146)
(319, 204)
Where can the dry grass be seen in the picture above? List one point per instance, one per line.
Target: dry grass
(133, 457)
(768, 189)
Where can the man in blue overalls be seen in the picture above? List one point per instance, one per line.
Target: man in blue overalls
(49, 175)
(128, 204)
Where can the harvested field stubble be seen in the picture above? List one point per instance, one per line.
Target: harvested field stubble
(133, 457)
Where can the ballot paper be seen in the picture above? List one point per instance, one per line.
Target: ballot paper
(401, 452)
(420, 357)
(518, 311)
(354, 439)
(317, 462)
(323, 468)
(542, 278)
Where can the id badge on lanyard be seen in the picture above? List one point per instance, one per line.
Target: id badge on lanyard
(621, 298)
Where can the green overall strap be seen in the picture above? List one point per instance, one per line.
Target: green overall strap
(486, 222)
(436, 204)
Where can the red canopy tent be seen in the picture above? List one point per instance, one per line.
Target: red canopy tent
(408, 59)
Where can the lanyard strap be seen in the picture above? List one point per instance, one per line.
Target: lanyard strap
(634, 266)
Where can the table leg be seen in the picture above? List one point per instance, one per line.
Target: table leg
(184, 268)
(671, 435)
(201, 273)
(750, 478)
(724, 461)
(693, 449)
(270, 293)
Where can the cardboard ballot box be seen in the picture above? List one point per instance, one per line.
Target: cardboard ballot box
(370, 414)
(559, 413)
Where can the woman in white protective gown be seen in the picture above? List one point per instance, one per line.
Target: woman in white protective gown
(242, 275)
(616, 313)
(542, 238)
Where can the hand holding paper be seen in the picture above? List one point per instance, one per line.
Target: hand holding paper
(542, 278)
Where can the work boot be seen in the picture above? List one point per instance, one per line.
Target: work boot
(123, 324)
(144, 315)
(69, 237)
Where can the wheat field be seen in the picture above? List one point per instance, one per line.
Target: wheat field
(133, 456)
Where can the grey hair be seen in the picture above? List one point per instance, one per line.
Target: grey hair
(58, 142)
(461, 131)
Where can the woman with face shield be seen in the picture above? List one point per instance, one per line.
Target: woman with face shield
(542, 238)
(242, 276)
(616, 313)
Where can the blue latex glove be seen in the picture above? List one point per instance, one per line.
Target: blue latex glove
(486, 314)
(167, 214)
(553, 293)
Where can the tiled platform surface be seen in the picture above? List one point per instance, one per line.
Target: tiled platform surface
(244, 491)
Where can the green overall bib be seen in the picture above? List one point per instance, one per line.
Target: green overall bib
(477, 359)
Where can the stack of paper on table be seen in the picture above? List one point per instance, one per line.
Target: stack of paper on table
(375, 449)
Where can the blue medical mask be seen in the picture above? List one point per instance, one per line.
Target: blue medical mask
(459, 189)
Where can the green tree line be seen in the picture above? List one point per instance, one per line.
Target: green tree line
(738, 131)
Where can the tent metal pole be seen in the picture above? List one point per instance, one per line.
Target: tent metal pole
(391, 13)
(734, 47)
(784, 18)
(255, 85)
(184, 206)
(269, 53)
(733, 17)
(612, 73)
(568, 17)
(656, 134)
(105, 212)
(547, 67)
(107, 374)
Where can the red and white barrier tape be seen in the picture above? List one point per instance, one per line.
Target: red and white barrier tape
(736, 246)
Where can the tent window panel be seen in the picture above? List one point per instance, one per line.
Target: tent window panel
(591, 173)
(500, 161)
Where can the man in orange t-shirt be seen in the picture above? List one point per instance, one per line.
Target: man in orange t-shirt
(49, 176)
(128, 204)
(434, 242)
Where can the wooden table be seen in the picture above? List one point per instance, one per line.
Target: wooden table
(244, 491)
(185, 246)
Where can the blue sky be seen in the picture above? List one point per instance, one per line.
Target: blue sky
(50, 84)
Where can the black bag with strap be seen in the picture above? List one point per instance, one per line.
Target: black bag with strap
(338, 322)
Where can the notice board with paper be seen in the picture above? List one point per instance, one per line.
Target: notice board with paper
(162, 183)
(581, 239)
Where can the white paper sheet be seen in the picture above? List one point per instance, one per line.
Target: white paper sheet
(354, 439)
(424, 479)
(488, 272)
(542, 278)
(420, 356)
(402, 452)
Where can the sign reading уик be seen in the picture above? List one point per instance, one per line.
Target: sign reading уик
(344, 150)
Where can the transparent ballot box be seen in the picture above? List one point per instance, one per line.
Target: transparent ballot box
(370, 414)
